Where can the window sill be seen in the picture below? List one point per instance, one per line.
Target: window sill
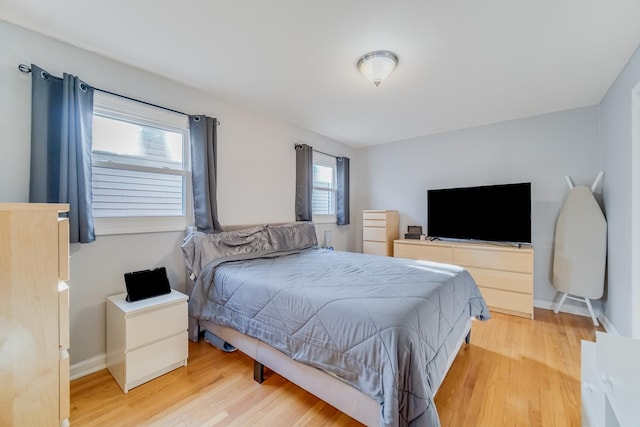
(138, 225)
(324, 219)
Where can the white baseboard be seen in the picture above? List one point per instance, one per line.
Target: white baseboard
(568, 307)
(88, 366)
(99, 362)
(608, 326)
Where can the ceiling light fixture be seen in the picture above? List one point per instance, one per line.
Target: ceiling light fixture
(377, 65)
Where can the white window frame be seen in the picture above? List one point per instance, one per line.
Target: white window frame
(119, 108)
(331, 161)
(635, 212)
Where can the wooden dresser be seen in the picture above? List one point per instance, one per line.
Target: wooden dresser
(504, 274)
(34, 315)
(379, 230)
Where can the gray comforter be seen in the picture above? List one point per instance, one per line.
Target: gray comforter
(384, 325)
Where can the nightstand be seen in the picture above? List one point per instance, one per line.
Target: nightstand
(146, 338)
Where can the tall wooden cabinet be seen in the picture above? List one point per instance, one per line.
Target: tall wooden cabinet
(379, 230)
(34, 315)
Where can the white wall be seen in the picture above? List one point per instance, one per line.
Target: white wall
(256, 171)
(540, 150)
(615, 146)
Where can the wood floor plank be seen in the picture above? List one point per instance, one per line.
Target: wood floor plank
(515, 372)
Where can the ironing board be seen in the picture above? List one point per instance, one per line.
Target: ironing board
(580, 247)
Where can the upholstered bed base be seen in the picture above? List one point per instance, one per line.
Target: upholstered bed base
(325, 386)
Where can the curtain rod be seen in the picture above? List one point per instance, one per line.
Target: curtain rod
(327, 154)
(25, 69)
(321, 152)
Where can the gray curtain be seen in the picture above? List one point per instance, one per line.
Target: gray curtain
(342, 194)
(304, 182)
(61, 138)
(203, 132)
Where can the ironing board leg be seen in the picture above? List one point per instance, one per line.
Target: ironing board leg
(593, 316)
(564, 297)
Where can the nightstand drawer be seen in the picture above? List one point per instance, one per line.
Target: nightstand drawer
(146, 362)
(505, 280)
(373, 234)
(153, 325)
(494, 259)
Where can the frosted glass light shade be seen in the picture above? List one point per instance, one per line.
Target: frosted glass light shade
(376, 66)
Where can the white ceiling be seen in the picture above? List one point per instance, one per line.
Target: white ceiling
(462, 63)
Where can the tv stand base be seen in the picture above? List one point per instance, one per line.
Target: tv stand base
(504, 273)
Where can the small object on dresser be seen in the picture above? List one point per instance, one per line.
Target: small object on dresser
(146, 284)
(413, 232)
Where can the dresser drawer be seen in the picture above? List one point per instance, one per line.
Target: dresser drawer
(147, 361)
(153, 325)
(65, 385)
(374, 248)
(380, 223)
(63, 315)
(505, 280)
(63, 249)
(511, 302)
(442, 254)
(373, 234)
(494, 259)
(374, 215)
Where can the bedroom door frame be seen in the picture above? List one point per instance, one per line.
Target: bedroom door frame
(635, 212)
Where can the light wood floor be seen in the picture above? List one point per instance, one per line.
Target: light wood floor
(515, 372)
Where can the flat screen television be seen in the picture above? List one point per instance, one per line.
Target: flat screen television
(494, 213)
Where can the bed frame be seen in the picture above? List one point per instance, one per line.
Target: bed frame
(326, 386)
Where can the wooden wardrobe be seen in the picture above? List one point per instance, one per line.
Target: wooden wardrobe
(34, 315)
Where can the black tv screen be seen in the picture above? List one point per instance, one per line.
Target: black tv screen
(495, 213)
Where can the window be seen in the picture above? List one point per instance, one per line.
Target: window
(635, 210)
(140, 173)
(324, 188)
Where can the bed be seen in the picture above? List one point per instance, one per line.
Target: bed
(373, 336)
